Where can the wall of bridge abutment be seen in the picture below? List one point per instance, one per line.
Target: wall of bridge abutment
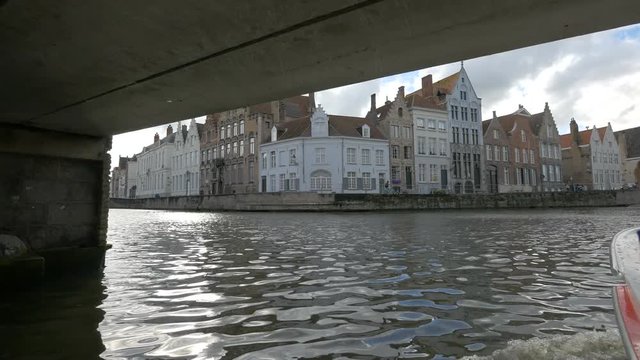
(54, 190)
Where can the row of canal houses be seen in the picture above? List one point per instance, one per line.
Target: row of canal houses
(428, 141)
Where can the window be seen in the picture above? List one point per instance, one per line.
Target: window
(395, 131)
(505, 153)
(228, 131)
(525, 156)
(292, 157)
(241, 147)
(454, 112)
(241, 127)
(400, 112)
(320, 156)
(517, 152)
(366, 156)
(474, 115)
(351, 155)
(523, 136)
(273, 159)
(434, 173)
(320, 180)
(222, 133)
(463, 95)
(456, 135)
(395, 173)
(422, 145)
(408, 154)
(250, 171)
(235, 129)
(420, 123)
(235, 147)
(406, 132)
(211, 155)
(496, 134)
(464, 113)
(422, 172)
(443, 147)
(506, 175)
(474, 137)
(431, 124)
(532, 176)
(281, 160)
(442, 126)
(558, 174)
(366, 132)
(395, 151)
(272, 183)
(489, 153)
(221, 151)
(545, 173)
(292, 181)
(432, 146)
(351, 180)
(496, 153)
(228, 148)
(366, 181)
(379, 157)
(532, 159)
(252, 145)
(282, 178)
(465, 135)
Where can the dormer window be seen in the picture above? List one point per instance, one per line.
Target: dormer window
(366, 132)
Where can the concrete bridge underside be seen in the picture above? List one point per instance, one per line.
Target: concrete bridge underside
(75, 73)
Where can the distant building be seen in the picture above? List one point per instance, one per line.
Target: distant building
(183, 167)
(232, 139)
(431, 138)
(325, 153)
(153, 171)
(119, 188)
(498, 158)
(465, 118)
(591, 158)
(396, 124)
(629, 143)
(544, 126)
(517, 168)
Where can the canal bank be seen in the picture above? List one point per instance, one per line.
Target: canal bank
(374, 202)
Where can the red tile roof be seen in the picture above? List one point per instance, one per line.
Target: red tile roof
(584, 137)
(447, 84)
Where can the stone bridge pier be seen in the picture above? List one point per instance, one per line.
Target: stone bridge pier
(54, 190)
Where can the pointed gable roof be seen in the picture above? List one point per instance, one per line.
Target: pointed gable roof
(447, 84)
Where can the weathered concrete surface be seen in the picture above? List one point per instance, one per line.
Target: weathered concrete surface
(54, 193)
(374, 202)
(104, 67)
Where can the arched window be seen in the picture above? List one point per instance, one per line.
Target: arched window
(321, 180)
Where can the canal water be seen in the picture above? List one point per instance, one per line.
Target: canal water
(420, 285)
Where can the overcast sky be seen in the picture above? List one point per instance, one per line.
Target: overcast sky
(593, 78)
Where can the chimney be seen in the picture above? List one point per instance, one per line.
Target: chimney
(573, 125)
(169, 130)
(520, 106)
(401, 92)
(156, 138)
(373, 102)
(312, 103)
(546, 107)
(427, 86)
(494, 114)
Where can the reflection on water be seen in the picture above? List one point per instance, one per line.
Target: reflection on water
(346, 285)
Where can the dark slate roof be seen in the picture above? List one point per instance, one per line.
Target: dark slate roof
(632, 141)
(339, 125)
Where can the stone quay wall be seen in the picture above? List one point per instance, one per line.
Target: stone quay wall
(298, 201)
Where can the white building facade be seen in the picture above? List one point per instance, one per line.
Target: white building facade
(605, 159)
(325, 153)
(184, 177)
(153, 168)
